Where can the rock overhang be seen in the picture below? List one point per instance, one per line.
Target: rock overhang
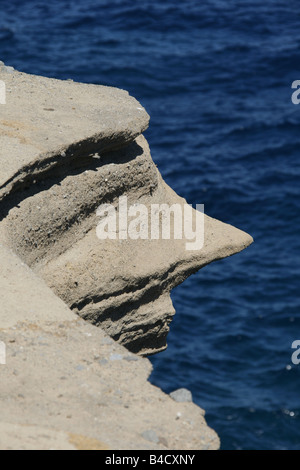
(75, 146)
(45, 123)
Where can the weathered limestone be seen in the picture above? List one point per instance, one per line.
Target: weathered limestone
(25, 297)
(66, 148)
(67, 385)
(47, 124)
(57, 168)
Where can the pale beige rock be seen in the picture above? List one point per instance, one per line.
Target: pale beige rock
(22, 437)
(47, 123)
(67, 385)
(121, 285)
(25, 296)
(66, 148)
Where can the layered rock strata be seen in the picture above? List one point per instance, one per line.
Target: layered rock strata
(80, 146)
(65, 149)
(67, 385)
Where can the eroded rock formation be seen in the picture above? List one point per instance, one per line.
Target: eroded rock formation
(67, 385)
(80, 146)
(65, 149)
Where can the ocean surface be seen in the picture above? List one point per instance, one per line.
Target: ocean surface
(215, 77)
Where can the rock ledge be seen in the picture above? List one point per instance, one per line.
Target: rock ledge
(66, 148)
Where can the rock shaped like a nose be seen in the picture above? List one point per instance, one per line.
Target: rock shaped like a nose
(50, 211)
(123, 284)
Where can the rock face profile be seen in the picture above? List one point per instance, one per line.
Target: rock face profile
(67, 149)
(80, 146)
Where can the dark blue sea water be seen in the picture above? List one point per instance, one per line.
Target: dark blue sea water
(215, 76)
